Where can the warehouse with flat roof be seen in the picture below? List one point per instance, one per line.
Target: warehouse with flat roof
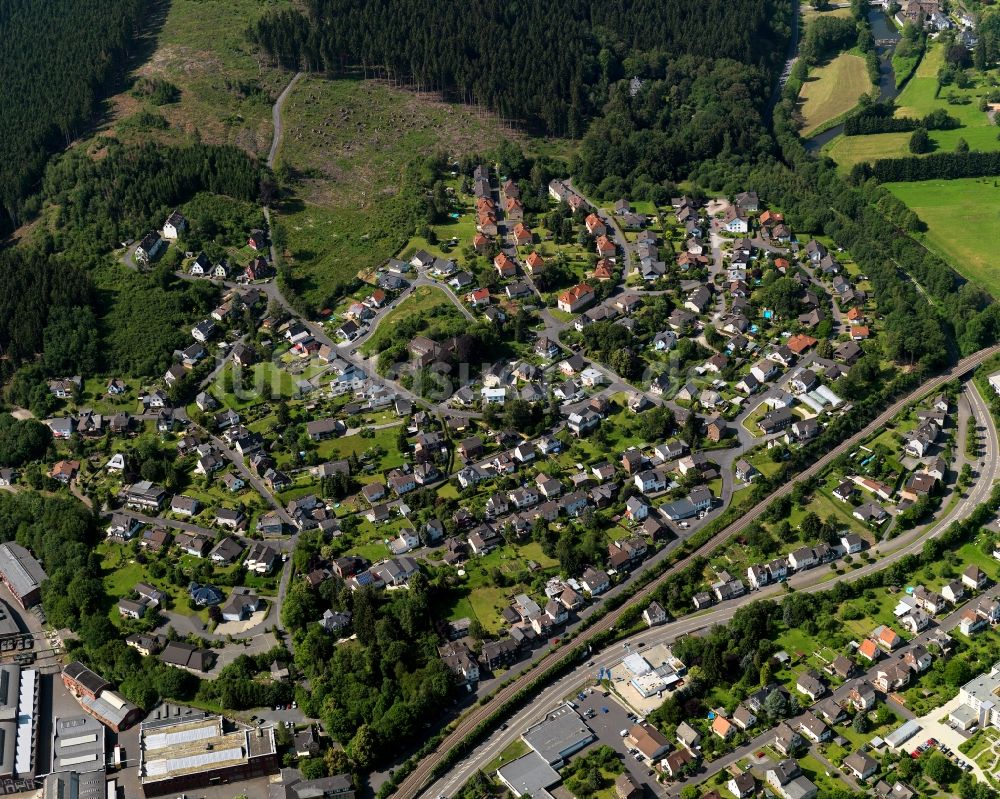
(78, 744)
(529, 775)
(18, 717)
(178, 755)
(559, 735)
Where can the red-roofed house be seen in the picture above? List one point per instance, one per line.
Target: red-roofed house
(573, 299)
(521, 234)
(800, 343)
(513, 209)
(722, 728)
(535, 263)
(478, 297)
(888, 638)
(869, 650)
(605, 247)
(595, 227)
(605, 270)
(505, 265)
(481, 243)
(860, 332)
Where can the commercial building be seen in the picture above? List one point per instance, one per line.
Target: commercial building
(559, 735)
(179, 755)
(981, 697)
(529, 775)
(21, 573)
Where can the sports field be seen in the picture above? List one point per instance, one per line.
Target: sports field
(963, 223)
(832, 90)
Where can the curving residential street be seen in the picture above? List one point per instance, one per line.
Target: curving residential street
(810, 581)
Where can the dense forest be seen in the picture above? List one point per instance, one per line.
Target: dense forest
(553, 65)
(133, 188)
(34, 289)
(56, 56)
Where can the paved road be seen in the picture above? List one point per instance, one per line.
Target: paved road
(414, 784)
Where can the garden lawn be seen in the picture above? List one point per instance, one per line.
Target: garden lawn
(963, 223)
(418, 303)
(487, 601)
(832, 90)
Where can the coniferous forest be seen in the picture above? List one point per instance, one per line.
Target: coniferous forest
(48, 92)
(553, 66)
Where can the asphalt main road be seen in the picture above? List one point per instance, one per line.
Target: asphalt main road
(808, 581)
(414, 784)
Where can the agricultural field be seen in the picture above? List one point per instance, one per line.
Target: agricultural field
(917, 100)
(832, 90)
(346, 146)
(963, 223)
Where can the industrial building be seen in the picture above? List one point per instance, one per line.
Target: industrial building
(18, 717)
(179, 755)
(21, 573)
(95, 696)
(75, 785)
(78, 744)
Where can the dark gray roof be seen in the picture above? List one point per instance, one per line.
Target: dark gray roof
(20, 569)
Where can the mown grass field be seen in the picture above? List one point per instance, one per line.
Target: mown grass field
(346, 146)
(917, 100)
(963, 223)
(832, 90)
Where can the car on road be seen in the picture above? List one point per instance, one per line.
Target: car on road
(604, 710)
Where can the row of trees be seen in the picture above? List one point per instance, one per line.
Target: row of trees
(878, 118)
(946, 166)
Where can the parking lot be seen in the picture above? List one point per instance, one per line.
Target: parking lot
(944, 734)
(607, 726)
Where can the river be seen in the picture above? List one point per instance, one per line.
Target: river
(886, 36)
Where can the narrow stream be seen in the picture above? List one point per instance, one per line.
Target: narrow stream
(886, 36)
